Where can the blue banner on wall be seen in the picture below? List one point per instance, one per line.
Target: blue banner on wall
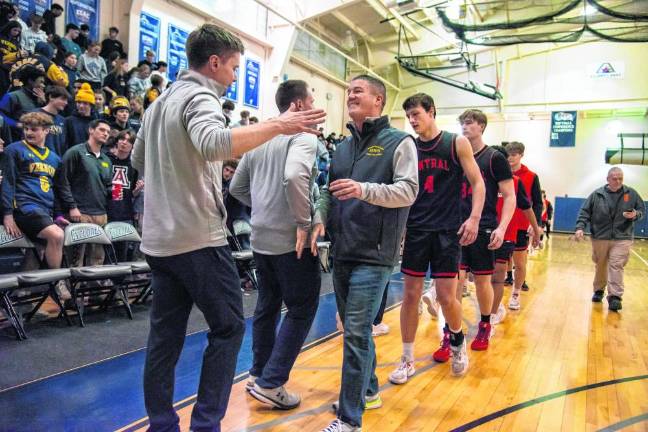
(149, 35)
(252, 74)
(232, 91)
(28, 7)
(563, 129)
(83, 12)
(176, 56)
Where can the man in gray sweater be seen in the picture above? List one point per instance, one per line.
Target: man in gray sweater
(276, 180)
(610, 211)
(179, 150)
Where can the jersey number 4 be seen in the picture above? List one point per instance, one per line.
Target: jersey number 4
(428, 186)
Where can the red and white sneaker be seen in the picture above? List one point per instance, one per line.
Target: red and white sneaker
(480, 343)
(443, 354)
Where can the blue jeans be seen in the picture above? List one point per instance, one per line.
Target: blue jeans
(297, 283)
(208, 278)
(358, 292)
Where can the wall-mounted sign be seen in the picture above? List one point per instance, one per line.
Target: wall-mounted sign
(563, 129)
(252, 75)
(176, 56)
(149, 35)
(606, 70)
(83, 12)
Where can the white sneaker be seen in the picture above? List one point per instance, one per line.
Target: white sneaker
(459, 359)
(249, 385)
(276, 397)
(379, 330)
(514, 302)
(403, 372)
(338, 425)
(429, 298)
(498, 317)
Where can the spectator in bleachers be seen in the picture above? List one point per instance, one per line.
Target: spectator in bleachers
(149, 60)
(116, 83)
(140, 81)
(161, 70)
(17, 17)
(111, 44)
(5, 139)
(28, 188)
(84, 185)
(49, 18)
(228, 109)
(54, 75)
(254, 120)
(155, 90)
(57, 99)
(69, 67)
(92, 67)
(10, 50)
(137, 110)
(71, 33)
(30, 37)
(120, 115)
(100, 109)
(125, 186)
(7, 13)
(27, 98)
(238, 214)
(244, 121)
(83, 40)
(76, 125)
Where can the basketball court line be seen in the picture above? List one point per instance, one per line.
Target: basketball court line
(639, 256)
(625, 423)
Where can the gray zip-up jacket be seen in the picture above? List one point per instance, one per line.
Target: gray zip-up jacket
(603, 212)
(275, 180)
(178, 149)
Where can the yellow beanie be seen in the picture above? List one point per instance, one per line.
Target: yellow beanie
(85, 94)
(119, 102)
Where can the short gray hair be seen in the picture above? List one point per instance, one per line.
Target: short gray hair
(614, 169)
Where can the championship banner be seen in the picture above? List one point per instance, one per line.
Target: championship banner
(563, 129)
(28, 7)
(149, 35)
(83, 12)
(252, 73)
(176, 56)
(232, 91)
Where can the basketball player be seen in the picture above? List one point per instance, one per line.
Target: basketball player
(479, 257)
(531, 185)
(505, 252)
(435, 233)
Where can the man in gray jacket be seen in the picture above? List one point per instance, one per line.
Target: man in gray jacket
(373, 182)
(179, 150)
(611, 212)
(276, 180)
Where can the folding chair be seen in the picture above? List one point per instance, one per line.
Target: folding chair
(8, 283)
(33, 286)
(323, 251)
(243, 258)
(91, 280)
(124, 232)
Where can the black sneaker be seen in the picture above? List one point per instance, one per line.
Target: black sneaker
(598, 296)
(525, 287)
(614, 303)
(508, 280)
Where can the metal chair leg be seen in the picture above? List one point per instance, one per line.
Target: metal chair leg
(13, 317)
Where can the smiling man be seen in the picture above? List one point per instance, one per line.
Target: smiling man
(179, 149)
(372, 182)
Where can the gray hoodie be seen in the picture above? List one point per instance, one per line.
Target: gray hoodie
(179, 149)
(92, 68)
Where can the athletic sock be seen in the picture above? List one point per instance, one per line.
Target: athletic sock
(456, 337)
(408, 350)
(485, 318)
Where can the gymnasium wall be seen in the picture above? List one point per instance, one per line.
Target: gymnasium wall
(534, 83)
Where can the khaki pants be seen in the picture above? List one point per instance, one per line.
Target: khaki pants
(94, 252)
(610, 257)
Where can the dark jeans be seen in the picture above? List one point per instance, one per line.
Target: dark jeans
(383, 305)
(206, 277)
(297, 283)
(358, 292)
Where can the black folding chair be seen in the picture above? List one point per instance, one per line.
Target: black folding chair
(98, 280)
(33, 286)
(141, 272)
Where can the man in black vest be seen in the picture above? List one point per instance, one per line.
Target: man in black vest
(373, 180)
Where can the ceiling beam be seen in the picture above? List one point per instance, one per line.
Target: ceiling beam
(357, 30)
(386, 12)
(323, 32)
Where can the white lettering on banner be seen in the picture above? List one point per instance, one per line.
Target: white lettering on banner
(121, 231)
(85, 233)
(6, 238)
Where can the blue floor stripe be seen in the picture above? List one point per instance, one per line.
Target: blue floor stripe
(108, 395)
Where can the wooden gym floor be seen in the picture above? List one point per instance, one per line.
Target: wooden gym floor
(561, 363)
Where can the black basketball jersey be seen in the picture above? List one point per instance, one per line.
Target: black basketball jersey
(438, 203)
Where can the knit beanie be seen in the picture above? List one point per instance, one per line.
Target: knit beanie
(85, 94)
(119, 102)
